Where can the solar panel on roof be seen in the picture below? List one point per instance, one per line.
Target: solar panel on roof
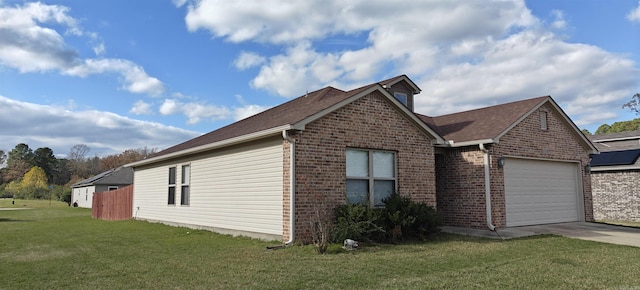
(626, 157)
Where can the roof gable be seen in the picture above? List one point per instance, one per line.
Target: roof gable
(294, 114)
(489, 124)
(486, 123)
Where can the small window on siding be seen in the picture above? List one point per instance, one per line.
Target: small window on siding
(371, 176)
(543, 120)
(184, 190)
(402, 98)
(110, 188)
(172, 186)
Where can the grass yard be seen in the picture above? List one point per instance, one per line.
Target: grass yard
(63, 247)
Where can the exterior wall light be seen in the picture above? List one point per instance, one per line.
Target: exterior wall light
(501, 162)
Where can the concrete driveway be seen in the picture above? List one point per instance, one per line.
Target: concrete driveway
(580, 230)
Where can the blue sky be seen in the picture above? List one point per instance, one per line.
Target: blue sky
(122, 74)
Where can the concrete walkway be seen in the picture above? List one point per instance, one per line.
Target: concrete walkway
(580, 230)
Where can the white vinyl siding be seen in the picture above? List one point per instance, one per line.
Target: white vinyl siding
(83, 195)
(237, 189)
(540, 192)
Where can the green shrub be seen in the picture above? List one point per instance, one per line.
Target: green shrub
(404, 218)
(357, 222)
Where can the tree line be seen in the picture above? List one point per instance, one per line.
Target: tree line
(38, 173)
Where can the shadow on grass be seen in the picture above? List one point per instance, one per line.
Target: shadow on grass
(12, 220)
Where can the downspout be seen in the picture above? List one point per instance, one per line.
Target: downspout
(292, 188)
(487, 186)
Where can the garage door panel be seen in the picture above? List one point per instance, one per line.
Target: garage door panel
(539, 192)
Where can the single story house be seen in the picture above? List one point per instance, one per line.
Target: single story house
(264, 176)
(615, 176)
(82, 191)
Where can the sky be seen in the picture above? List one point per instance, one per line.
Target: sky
(117, 74)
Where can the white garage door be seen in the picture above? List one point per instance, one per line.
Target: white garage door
(540, 192)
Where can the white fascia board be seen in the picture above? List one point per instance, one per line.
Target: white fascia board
(615, 168)
(453, 144)
(215, 145)
(616, 139)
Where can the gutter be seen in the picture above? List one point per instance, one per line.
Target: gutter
(487, 186)
(292, 188)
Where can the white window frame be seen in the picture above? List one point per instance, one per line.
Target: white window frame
(185, 188)
(171, 200)
(112, 187)
(403, 98)
(371, 178)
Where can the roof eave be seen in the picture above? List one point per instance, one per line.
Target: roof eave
(453, 144)
(615, 167)
(212, 146)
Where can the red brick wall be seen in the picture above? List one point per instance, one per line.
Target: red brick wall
(372, 123)
(461, 198)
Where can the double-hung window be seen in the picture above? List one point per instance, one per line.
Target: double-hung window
(371, 176)
(172, 186)
(184, 190)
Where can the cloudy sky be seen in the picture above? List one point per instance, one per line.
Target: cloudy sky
(123, 74)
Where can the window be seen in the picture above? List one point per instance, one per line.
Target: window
(110, 188)
(172, 186)
(371, 176)
(184, 190)
(543, 120)
(401, 97)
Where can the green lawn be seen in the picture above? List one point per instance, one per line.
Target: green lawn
(63, 247)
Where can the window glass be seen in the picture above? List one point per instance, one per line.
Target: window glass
(186, 172)
(172, 195)
(172, 175)
(357, 163)
(401, 97)
(383, 189)
(383, 165)
(357, 191)
(184, 195)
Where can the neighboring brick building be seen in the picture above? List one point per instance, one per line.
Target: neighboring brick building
(360, 146)
(615, 177)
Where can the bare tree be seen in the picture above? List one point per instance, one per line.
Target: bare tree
(634, 104)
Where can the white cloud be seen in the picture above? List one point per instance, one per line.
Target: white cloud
(634, 15)
(60, 129)
(240, 113)
(248, 60)
(195, 112)
(199, 111)
(141, 108)
(27, 45)
(463, 54)
(136, 79)
(558, 22)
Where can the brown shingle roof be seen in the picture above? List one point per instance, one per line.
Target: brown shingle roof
(483, 123)
(288, 113)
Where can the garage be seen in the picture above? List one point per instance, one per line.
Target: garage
(540, 191)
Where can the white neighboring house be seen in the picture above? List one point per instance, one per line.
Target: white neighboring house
(82, 191)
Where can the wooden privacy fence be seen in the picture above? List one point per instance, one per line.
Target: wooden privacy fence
(113, 205)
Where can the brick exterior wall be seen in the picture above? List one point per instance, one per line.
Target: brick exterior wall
(320, 157)
(460, 171)
(616, 195)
